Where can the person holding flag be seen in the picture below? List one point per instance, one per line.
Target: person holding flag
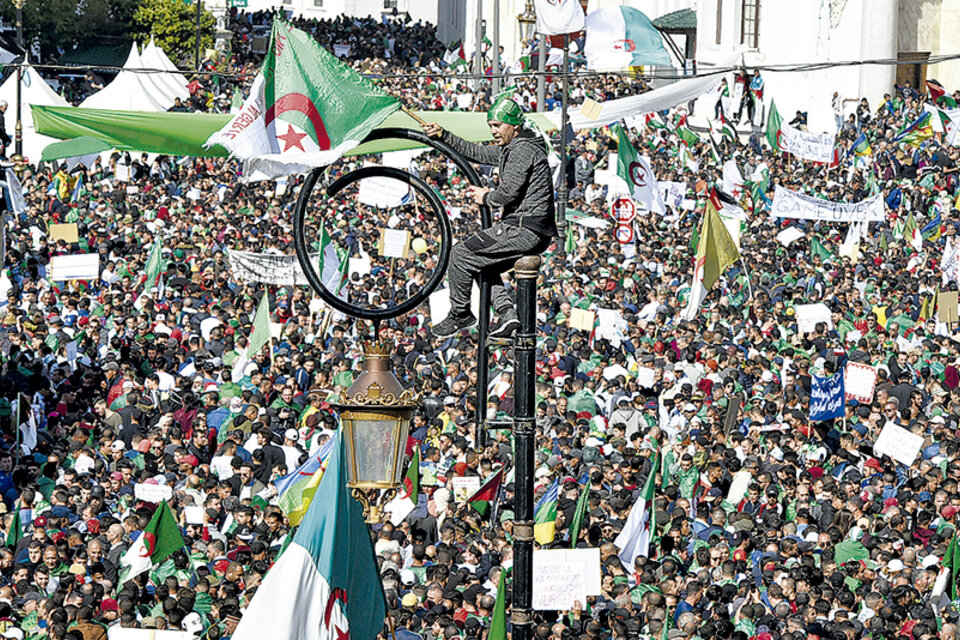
(527, 224)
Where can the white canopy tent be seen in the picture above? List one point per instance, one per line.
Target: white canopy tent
(129, 91)
(172, 84)
(34, 90)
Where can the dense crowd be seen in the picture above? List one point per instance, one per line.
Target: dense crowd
(767, 526)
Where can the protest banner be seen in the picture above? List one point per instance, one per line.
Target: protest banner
(155, 493)
(66, 232)
(383, 193)
(341, 50)
(808, 315)
(788, 235)
(898, 443)
(859, 381)
(816, 147)
(800, 206)
(562, 577)
(464, 487)
(827, 398)
(84, 266)
(267, 268)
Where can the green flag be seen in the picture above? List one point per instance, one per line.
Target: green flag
(774, 122)
(152, 269)
(687, 136)
(817, 249)
(159, 540)
(571, 244)
(578, 514)
(306, 109)
(411, 481)
(951, 560)
(498, 620)
(15, 531)
(487, 493)
(260, 336)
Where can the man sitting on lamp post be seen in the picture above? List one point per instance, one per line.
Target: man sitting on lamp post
(527, 224)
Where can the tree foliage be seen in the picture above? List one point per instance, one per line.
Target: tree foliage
(173, 24)
(58, 25)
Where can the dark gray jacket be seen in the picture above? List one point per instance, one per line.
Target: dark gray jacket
(526, 185)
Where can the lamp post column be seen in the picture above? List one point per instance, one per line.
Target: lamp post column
(521, 615)
(18, 131)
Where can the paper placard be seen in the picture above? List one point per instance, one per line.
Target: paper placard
(808, 315)
(859, 382)
(590, 109)
(361, 266)
(66, 232)
(581, 319)
(383, 193)
(947, 306)
(84, 266)
(122, 174)
(464, 487)
(276, 329)
(898, 443)
(193, 515)
(788, 235)
(646, 377)
(394, 243)
(561, 577)
(154, 493)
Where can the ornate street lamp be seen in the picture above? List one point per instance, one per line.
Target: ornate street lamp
(375, 413)
(528, 21)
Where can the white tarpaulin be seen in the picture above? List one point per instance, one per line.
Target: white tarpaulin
(34, 91)
(815, 147)
(657, 100)
(799, 206)
(267, 268)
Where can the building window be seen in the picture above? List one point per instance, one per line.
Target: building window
(389, 4)
(750, 24)
(719, 21)
(318, 3)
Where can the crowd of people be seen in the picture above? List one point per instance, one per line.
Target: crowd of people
(766, 525)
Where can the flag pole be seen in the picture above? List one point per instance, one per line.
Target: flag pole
(749, 286)
(413, 115)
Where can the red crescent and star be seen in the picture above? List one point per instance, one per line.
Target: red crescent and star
(301, 103)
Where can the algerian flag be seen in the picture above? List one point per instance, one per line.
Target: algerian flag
(334, 263)
(259, 337)
(634, 540)
(159, 541)
(726, 129)
(732, 179)
(556, 17)
(326, 585)
(716, 251)
(152, 269)
(305, 110)
(636, 173)
(621, 37)
(487, 493)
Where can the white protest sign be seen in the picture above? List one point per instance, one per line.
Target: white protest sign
(463, 488)
(154, 493)
(84, 266)
(612, 326)
(646, 377)
(561, 577)
(439, 302)
(122, 174)
(788, 235)
(808, 315)
(800, 206)
(361, 266)
(898, 443)
(193, 514)
(341, 50)
(383, 193)
(673, 193)
(395, 243)
(859, 381)
(816, 147)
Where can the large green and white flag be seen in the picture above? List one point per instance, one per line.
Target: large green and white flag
(305, 110)
(634, 540)
(636, 172)
(158, 542)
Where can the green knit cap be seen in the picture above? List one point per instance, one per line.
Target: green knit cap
(506, 111)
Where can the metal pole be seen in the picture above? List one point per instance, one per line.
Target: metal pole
(541, 76)
(521, 614)
(478, 54)
(564, 120)
(18, 130)
(495, 56)
(199, 2)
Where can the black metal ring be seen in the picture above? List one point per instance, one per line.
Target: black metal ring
(303, 255)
